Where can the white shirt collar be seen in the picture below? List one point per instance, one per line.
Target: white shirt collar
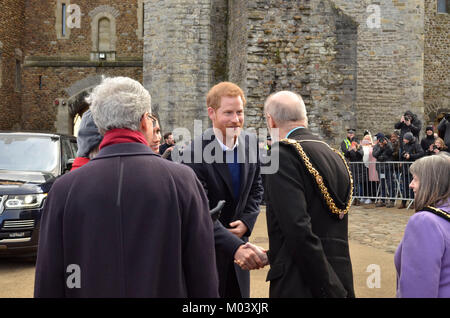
(224, 147)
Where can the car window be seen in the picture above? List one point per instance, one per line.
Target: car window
(28, 153)
(74, 146)
(67, 152)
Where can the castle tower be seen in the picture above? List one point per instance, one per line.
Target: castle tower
(184, 56)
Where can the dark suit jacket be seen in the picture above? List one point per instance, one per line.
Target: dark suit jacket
(216, 180)
(308, 245)
(136, 225)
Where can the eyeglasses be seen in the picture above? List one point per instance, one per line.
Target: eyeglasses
(152, 118)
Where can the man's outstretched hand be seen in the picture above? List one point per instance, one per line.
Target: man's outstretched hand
(249, 256)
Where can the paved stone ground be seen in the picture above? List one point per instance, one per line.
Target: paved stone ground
(381, 228)
(374, 236)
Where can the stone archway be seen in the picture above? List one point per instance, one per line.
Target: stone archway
(77, 106)
(71, 109)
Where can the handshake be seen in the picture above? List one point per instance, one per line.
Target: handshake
(249, 256)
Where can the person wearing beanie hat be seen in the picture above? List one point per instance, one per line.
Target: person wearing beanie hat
(411, 152)
(88, 140)
(408, 123)
(380, 136)
(408, 137)
(427, 142)
(444, 129)
(383, 151)
(394, 139)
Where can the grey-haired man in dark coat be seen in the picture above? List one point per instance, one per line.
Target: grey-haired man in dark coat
(128, 223)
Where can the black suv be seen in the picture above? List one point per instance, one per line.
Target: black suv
(29, 164)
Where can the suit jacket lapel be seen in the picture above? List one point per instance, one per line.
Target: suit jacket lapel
(222, 170)
(243, 153)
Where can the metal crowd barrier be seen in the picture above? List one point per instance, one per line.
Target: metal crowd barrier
(382, 181)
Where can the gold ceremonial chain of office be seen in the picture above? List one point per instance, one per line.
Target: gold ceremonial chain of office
(319, 180)
(441, 212)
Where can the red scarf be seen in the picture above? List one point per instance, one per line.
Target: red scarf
(122, 135)
(79, 162)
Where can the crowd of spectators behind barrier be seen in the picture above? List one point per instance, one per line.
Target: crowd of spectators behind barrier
(374, 182)
(372, 160)
(380, 164)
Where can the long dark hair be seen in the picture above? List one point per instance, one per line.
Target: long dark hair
(434, 183)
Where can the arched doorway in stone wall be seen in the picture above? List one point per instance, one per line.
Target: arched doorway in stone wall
(437, 117)
(434, 115)
(77, 107)
(69, 117)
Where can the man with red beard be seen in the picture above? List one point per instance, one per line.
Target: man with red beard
(229, 170)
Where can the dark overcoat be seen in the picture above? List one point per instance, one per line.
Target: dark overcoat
(134, 224)
(308, 245)
(216, 179)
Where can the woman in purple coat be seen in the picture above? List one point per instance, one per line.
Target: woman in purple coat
(422, 259)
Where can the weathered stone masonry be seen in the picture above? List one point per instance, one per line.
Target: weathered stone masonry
(436, 62)
(349, 73)
(11, 52)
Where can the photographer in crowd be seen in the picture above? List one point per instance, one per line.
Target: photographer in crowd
(444, 129)
(394, 138)
(437, 147)
(427, 142)
(382, 151)
(411, 148)
(411, 152)
(408, 123)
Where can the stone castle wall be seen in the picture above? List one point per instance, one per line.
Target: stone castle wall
(177, 60)
(304, 46)
(390, 61)
(11, 50)
(436, 62)
(349, 73)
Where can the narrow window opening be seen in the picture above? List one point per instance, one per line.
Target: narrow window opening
(40, 82)
(104, 35)
(143, 16)
(443, 6)
(1, 69)
(63, 19)
(18, 76)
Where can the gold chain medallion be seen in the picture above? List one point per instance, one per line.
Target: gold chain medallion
(319, 180)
